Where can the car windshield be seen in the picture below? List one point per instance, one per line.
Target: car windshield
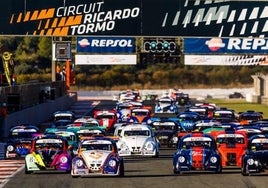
(230, 140)
(190, 144)
(107, 147)
(140, 113)
(137, 133)
(106, 116)
(22, 134)
(44, 146)
(259, 144)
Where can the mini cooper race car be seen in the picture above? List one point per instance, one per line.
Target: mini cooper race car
(255, 160)
(48, 153)
(97, 156)
(196, 151)
(231, 146)
(138, 139)
(19, 140)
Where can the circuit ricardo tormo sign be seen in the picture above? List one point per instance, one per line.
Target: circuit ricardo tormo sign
(188, 18)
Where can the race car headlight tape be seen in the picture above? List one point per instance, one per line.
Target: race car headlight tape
(63, 159)
(250, 161)
(213, 159)
(112, 163)
(10, 148)
(181, 159)
(79, 163)
(149, 146)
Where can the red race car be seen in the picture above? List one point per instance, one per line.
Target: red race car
(106, 118)
(231, 145)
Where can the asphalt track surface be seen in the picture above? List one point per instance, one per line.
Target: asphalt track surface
(140, 172)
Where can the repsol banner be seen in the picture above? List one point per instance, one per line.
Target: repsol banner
(105, 44)
(219, 45)
(221, 18)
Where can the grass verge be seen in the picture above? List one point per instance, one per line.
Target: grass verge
(240, 105)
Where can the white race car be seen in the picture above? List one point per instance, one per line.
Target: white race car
(138, 139)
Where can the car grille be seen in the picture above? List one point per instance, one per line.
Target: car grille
(136, 149)
(95, 167)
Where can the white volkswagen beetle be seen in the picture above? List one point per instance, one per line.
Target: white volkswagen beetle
(138, 139)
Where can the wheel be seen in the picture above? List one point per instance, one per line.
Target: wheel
(219, 170)
(176, 172)
(27, 171)
(122, 170)
(244, 172)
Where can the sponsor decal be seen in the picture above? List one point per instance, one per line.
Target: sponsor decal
(102, 44)
(219, 45)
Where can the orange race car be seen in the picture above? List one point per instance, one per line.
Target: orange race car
(231, 145)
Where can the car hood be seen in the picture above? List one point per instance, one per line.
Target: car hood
(95, 156)
(196, 153)
(135, 141)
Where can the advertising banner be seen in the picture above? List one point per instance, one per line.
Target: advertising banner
(105, 44)
(223, 60)
(226, 45)
(183, 18)
(105, 59)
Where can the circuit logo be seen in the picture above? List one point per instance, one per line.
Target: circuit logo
(215, 44)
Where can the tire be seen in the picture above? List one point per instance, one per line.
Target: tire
(122, 170)
(243, 171)
(27, 171)
(176, 172)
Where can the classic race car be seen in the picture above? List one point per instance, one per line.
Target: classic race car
(19, 140)
(166, 104)
(140, 115)
(231, 145)
(224, 115)
(249, 116)
(255, 160)
(106, 118)
(166, 131)
(63, 115)
(71, 136)
(187, 120)
(97, 155)
(138, 139)
(48, 153)
(196, 151)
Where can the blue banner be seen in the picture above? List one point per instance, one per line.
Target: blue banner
(106, 44)
(225, 45)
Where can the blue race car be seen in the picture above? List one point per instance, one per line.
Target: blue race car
(255, 160)
(196, 151)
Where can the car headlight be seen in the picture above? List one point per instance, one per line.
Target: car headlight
(175, 139)
(79, 163)
(171, 108)
(213, 159)
(63, 159)
(250, 161)
(123, 146)
(10, 148)
(149, 121)
(181, 159)
(112, 163)
(149, 146)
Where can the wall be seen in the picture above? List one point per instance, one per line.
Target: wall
(39, 113)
